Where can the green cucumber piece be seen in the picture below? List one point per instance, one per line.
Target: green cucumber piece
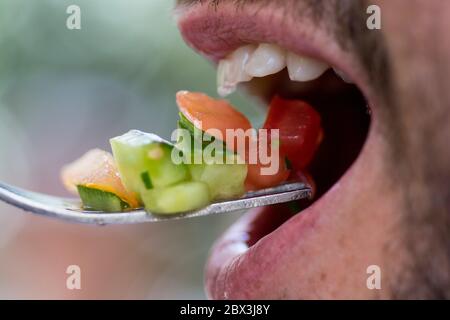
(182, 197)
(195, 133)
(184, 123)
(144, 161)
(99, 200)
(224, 180)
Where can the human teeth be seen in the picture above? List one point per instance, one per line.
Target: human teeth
(224, 87)
(230, 71)
(267, 59)
(262, 60)
(342, 75)
(302, 68)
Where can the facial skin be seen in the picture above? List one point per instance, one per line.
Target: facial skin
(397, 213)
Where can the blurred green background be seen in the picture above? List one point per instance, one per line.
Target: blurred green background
(63, 92)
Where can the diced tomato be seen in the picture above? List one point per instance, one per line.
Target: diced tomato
(300, 130)
(97, 169)
(207, 113)
(257, 180)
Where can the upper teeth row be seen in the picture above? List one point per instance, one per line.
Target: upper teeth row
(251, 61)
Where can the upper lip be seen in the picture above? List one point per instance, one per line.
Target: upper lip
(233, 268)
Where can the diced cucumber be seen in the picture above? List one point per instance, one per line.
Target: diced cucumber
(224, 180)
(99, 200)
(185, 196)
(144, 161)
(184, 123)
(196, 134)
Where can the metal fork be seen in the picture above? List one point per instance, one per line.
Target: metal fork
(71, 209)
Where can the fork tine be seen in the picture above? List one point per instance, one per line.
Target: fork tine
(70, 209)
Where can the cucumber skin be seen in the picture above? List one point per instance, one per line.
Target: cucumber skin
(184, 123)
(195, 133)
(182, 197)
(99, 200)
(131, 155)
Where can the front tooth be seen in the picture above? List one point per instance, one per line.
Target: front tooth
(302, 68)
(224, 86)
(230, 71)
(342, 75)
(267, 59)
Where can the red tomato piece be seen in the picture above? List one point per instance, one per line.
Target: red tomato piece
(300, 130)
(257, 180)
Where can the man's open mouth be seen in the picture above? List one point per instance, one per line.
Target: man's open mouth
(249, 258)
